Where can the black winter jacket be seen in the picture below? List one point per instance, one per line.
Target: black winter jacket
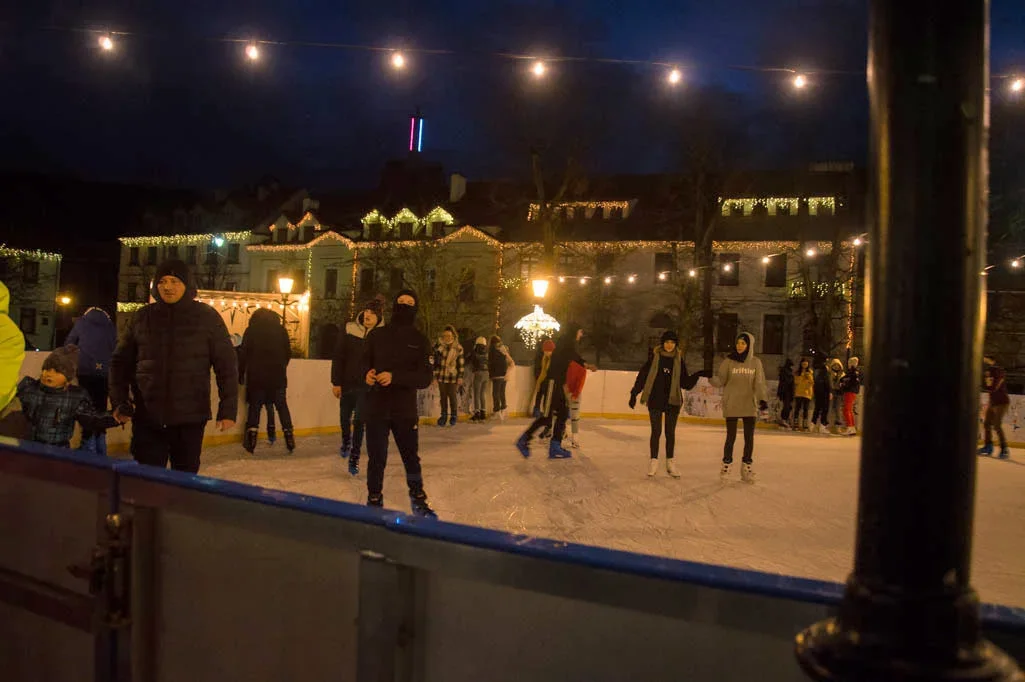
(478, 359)
(498, 364)
(406, 353)
(162, 363)
(565, 353)
(264, 354)
(348, 368)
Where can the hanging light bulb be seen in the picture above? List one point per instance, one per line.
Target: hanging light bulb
(398, 61)
(675, 76)
(728, 267)
(106, 43)
(693, 273)
(252, 52)
(800, 81)
(857, 241)
(766, 260)
(810, 253)
(583, 281)
(608, 280)
(1016, 263)
(1018, 85)
(538, 69)
(662, 276)
(631, 279)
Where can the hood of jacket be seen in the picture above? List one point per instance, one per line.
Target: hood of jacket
(356, 328)
(96, 318)
(749, 358)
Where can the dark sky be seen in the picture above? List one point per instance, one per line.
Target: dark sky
(169, 106)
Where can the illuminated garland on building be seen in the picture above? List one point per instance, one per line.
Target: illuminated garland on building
(498, 305)
(772, 204)
(331, 234)
(589, 208)
(129, 307)
(31, 254)
(185, 239)
(850, 304)
(436, 215)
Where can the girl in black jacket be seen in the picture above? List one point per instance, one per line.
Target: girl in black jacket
(263, 363)
(660, 383)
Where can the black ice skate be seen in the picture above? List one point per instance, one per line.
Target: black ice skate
(375, 500)
(420, 507)
(272, 434)
(249, 440)
(289, 440)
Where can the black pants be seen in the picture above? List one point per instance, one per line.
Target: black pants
(350, 413)
(671, 415)
(820, 415)
(259, 398)
(498, 394)
(96, 387)
(449, 396)
(154, 445)
(801, 413)
(407, 439)
(731, 438)
(784, 414)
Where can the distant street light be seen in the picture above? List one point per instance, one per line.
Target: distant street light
(64, 300)
(675, 76)
(1018, 84)
(218, 241)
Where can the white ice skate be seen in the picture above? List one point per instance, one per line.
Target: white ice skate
(671, 468)
(724, 473)
(652, 467)
(747, 473)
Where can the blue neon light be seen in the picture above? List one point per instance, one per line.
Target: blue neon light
(420, 137)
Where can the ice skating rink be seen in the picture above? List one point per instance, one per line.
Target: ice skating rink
(798, 519)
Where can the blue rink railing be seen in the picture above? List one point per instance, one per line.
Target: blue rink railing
(114, 571)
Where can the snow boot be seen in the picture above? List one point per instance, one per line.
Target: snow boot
(986, 451)
(289, 440)
(556, 451)
(249, 440)
(442, 420)
(652, 467)
(747, 473)
(724, 473)
(1004, 453)
(272, 435)
(375, 500)
(671, 468)
(523, 445)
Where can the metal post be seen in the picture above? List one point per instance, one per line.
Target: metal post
(909, 611)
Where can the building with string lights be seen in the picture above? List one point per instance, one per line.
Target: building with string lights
(32, 278)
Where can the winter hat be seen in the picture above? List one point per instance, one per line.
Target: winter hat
(374, 306)
(481, 341)
(548, 346)
(670, 335)
(174, 268)
(63, 360)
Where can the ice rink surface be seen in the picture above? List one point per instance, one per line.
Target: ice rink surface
(797, 519)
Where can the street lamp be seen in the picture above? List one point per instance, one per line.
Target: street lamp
(218, 241)
(64, 300)
(540, 287)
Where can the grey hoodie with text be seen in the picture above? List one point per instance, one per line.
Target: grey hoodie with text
(742, 383)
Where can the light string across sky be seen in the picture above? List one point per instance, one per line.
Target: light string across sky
(401, 58)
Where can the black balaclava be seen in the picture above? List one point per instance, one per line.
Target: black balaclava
(404, 314)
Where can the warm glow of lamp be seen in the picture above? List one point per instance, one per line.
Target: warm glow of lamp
(858, 241)
(64, 300)
(728, 267)
(800, 81)
(285, 285)
(398, 60)
(675, 76)
(662, 276)
(631, 279)
(1018, 85)
(538, 69)
(766, 260)
(252, 52)
(106, 43)
(540, 287)
(810, 253)
(562, 280)
(583, 281)
(608, 280)
(693, 273)
(1016, 263)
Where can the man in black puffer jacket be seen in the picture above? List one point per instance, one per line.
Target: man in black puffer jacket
(160, 371)
(398, 361)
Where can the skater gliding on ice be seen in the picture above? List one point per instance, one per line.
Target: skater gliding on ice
(348, 379)
(660, 383)
(994, 384)
(263, 368)
(398, 358)
(742, 380)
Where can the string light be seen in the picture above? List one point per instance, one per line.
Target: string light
(1018, 85)
(252, 52)
(663, 276)
(536, 325)
(106, 43)
(766, 260)
(772, 205)
(810, 253)
(562, 280)
(31, 254)
(398, 60)
(608, 280)
(631, 279)
(583, 281)
(589, 207)
(675, 76)
(692, 273)
(185, 239)
(800, 81)
(538, 69)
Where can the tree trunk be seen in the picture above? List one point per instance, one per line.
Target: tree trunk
(707, 321)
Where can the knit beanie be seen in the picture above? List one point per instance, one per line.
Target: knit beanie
(174, 268)
(670, 335)
(374, 305)
(63, 360)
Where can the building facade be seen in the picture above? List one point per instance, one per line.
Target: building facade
(33, 280)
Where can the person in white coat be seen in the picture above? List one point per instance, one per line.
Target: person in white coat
(742, 380)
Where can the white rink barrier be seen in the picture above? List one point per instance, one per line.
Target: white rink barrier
(315, 409)
(205, 580)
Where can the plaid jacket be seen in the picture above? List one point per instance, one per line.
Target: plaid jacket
(448, 369)
(52, 412)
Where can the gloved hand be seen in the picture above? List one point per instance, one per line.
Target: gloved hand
(763, 406)
(633, 400)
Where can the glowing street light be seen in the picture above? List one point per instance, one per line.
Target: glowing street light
(1016, 263)
(728, 267)
(538, 69)
(662, 276)
(858, 241)
(540, 287)
(675, 76)
(583, 281)
(562, 280)
(218, 241)
(106, 43)
(64, 300)
(800, 81)
(285, 285)
(252, 52)
(398, 61)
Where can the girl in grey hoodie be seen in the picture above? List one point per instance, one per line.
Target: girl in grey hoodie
(743, 393)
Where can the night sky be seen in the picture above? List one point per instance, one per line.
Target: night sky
(172, 107)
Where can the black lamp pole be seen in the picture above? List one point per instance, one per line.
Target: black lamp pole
(909, 611)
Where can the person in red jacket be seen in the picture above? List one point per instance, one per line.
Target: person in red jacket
(994, 383)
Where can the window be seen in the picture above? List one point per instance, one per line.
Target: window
(30, 272)
(171, 252)
(527, 264)
(374, 232)
(467, 285)
(330, 283)
(233, 253)
(436, 228)
(726, 332)
(729, 269)
(664, 263)
(776, 271)
(133, 255)
(366, 281)
(211, 256)
(772, 335)
(272, 281)
(280, 234)
(396, 280)
(605, 263)
(27, 321)
(405, 231)
(190, 254)
(151, 255)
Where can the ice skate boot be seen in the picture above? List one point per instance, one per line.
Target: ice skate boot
(419, 506)
(523, 445)
(354, 464)
(671, 468)
(556, 451)
(375, 500)
(652, 467)
(986, 451)
(249, 440)
(546, 434)
(289, 441)
(272, 435)
(1004, 453)
(724, 472)
(452, 421)
(442, 420)
(747, 473)
(346, 448)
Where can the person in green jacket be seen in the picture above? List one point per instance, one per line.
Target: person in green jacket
(12, 354)
(742, 380)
